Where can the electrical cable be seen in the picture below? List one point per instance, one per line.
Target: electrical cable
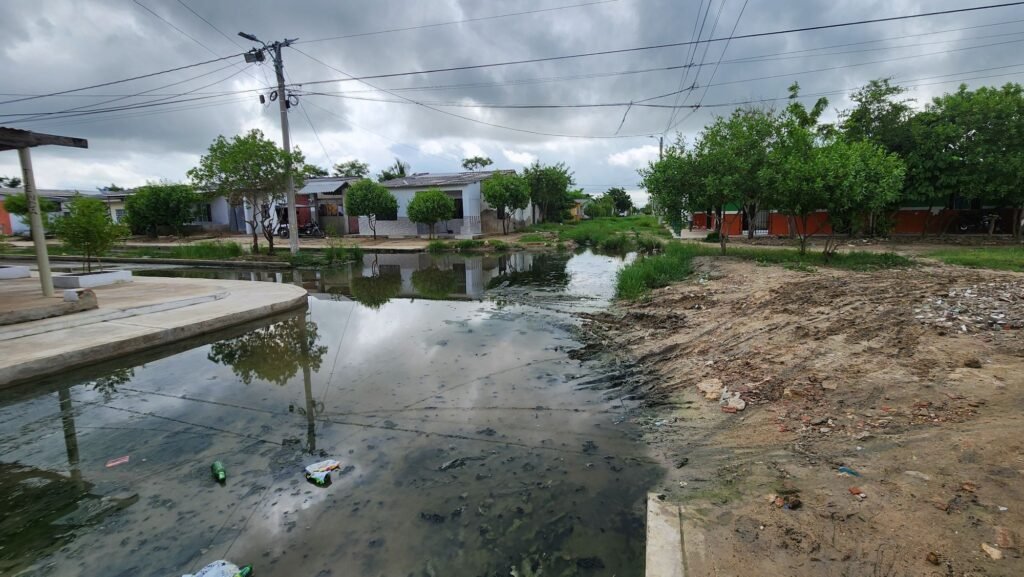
(350, 78)
(463, 21)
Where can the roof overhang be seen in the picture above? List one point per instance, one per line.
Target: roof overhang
(13, 139)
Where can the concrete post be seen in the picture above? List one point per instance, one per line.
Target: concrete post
(36, 222)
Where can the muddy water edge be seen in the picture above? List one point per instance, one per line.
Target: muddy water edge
(471, 443)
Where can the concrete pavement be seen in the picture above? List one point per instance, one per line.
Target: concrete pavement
(148, 312)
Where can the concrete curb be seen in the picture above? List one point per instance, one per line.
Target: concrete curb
(142, 338)
(664, 539)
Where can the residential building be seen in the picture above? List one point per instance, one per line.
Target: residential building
(472, 218)
(11, 224)
(324, 198)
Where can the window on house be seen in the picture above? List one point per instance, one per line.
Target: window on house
(118, 214)
(458, 208)
(205, 213)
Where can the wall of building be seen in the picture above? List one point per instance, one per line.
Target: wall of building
(5, 220)
(468, 226)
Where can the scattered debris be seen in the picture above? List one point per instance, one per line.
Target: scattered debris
(857, 492)
(222, 568)
(712, 388)
(972, 363)
(118, 461)
(932, 558)
(434, 518)
(992, 552)
(1007, 539)
(589, 447)
(918, 475)
(682, 462)
(848, 471)
(220, 474)
(969, 487)
(788, 502)
(320, 473)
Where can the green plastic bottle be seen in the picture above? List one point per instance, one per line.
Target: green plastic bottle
(244, 571)
(220, 474)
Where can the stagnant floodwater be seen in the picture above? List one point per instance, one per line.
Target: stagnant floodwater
(468, 445)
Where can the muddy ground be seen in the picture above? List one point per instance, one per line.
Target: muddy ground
(912, 380)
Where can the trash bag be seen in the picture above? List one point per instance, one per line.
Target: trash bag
(320, 473)
(222, 568)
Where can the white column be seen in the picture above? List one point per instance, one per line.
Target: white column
(36, 222)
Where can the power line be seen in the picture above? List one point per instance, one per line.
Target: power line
(463, 21)
(714, 71)
(691, 52)
(669, 45)
(219, 31)
(703, 59)
(123, 80)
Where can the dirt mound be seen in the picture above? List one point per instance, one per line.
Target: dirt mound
(889, 405)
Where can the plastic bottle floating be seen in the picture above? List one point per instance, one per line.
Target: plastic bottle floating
(320, 473)
(223, 568)
(220, 474)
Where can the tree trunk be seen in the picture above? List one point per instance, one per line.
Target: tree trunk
(1018, 215)
(372, 221)
(720, 227)
(791, 222)
(803, 235)
(751, 214)
(255, 240)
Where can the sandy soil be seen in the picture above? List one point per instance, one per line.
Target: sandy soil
(912, 379)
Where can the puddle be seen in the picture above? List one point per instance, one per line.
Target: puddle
(467, 446)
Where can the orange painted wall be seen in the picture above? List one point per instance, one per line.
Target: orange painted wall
(5, 220)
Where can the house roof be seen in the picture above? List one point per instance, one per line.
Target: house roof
(326, 185)
(46, 193)
(440, 179)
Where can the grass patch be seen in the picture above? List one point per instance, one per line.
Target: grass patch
(207, 250)
(592, 232)
(468, 244)
(646, 273)
(498, 245)
(675, 264)
(533, 237)
(997, 258)
(437, 246)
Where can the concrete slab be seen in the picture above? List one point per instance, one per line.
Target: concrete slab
(147, 313)
(664, 539)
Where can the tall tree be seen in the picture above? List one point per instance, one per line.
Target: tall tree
(507, 192)
(399, 169)
(157, 205)
(252, 170)
(549, 188)
(314, 171)
(272, 353)
(736, 149)
(676, 183)
(476, 162)
(110, 188)
(430, 207)
(370, 199)
(620, 198)
(352, 168)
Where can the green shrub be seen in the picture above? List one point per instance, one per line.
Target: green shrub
(498, 245)
(208, 250)
(305, 260)
(712, 236)
(437, 246)
(468, 244)
(616, 243)
(649, 244)
(650, 272)
(533, 237)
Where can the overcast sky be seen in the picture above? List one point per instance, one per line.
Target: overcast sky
(54, 45)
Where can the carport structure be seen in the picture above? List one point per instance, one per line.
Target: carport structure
(23, 141)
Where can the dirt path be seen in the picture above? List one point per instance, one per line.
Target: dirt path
(911, 379)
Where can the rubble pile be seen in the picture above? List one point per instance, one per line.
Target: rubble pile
(992, 306)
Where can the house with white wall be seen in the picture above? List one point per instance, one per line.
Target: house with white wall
(14, 224)
(473, 217)
(213, 212)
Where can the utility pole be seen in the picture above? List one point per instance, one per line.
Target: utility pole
(661, 147)
(256, 55)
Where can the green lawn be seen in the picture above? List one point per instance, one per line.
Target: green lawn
(998, 258)
(613, 234)
(675, 264)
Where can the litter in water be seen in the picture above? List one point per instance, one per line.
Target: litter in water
(118, 461)
(320, 473)
(222, 568)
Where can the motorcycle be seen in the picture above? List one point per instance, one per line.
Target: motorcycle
(311, 229)
(978, 224)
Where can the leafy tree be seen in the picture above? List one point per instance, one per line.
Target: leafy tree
(476, 162)
(272, 353)
(158, 205)
(10, 181)
(976, 139)
(17, 204)
(252, 170)
(372, 200)
(549, 188)
(429, 207)
(88, 229)
(855, 178)
(736, 149)
(620, 198)
(434, 283)
(314, 171)
(110, 188)
(676, 183)
(507, 192)
(399, 169)
(352, 168)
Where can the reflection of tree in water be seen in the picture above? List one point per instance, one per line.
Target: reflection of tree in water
(434, 283)
(108, 384)
(546, 270)
(273, 353)
(374, 291)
